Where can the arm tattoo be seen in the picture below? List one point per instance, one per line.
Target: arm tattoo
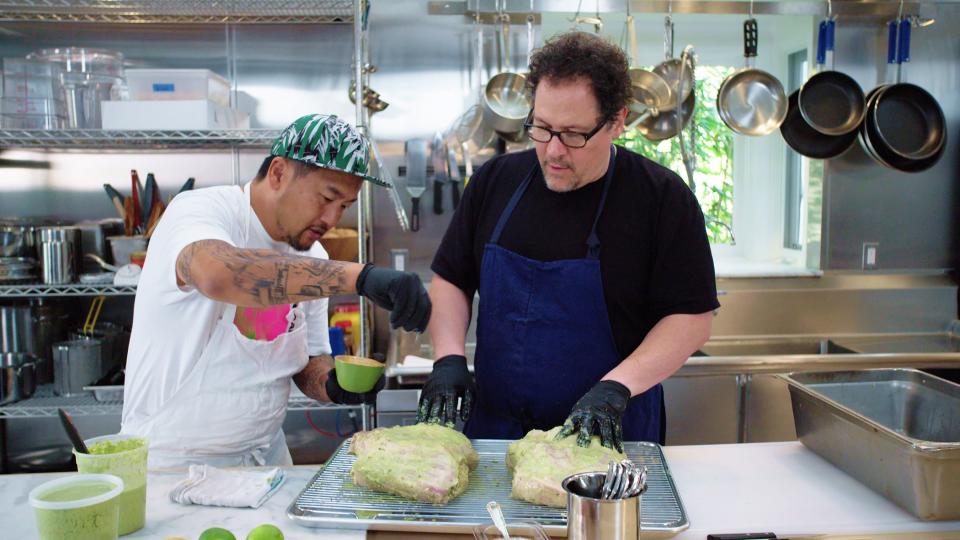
(264, 277)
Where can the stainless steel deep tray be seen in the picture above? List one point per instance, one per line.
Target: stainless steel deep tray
(332, 500)
(895, 430)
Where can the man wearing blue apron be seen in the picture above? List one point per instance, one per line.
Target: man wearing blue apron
(593, 268)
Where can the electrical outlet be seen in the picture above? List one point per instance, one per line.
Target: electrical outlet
(869, 260)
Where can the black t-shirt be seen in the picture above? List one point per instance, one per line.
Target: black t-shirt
(654, 254)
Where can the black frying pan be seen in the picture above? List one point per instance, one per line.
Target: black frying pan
(869, 138)
(831, 102)
(808, 141)
(904, 127)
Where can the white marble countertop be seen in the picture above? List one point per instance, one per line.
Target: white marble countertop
(778, 487)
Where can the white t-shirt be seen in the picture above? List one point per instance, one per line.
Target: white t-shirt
(171, 325)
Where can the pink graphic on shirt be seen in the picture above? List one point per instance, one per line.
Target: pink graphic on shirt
(265, 323)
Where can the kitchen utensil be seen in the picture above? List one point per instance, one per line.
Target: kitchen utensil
(438, 158)
(356, 373)
(496, 514)
(58, 254)
(50, 326)
(146, 202)
(122, 246)
(665, 125)
(18, 237)
(72, 432)
(188, 185)
(454, 176)
(678, 74)
(103, 264)
(135, 190)
(92, 238)
(77, 363)
(895, 430)
(589, 516)
(506, 101)
(96, 305)
(17, 269)
(910, 109)
(416, 180)
(681, 82)
(807, 141)
(154, 219)
(17, 331)
(331, 500)
(394, 194)
(18, 379)
(751, 101)
(907, 120)
(520, 529)
(830, 102)
(651, 93)
(90, 77)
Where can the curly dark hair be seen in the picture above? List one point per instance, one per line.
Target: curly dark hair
(573, 55)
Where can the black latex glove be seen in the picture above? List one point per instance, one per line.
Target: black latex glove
(400, 292)
(343, 397)
(601, 408)
(448, 381)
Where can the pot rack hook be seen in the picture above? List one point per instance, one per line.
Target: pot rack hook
(751, 9)
(830, 10)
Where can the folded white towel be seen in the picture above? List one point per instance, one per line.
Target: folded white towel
(211, 486)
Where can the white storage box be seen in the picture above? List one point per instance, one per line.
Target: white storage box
(196, 114)
(178, 84)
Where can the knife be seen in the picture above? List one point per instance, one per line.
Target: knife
(416, 181)
(438, 157)
(454, 176)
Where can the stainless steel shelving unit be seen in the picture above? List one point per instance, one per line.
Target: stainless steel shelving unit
(179, 11)
(75, 289)
(70, 139)
(44, 404)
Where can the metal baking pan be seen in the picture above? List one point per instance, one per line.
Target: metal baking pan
(331, 500)
(106, 393)
(895, 430)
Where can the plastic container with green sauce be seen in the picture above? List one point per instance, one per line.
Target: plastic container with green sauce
(124, 456)
(78, 507)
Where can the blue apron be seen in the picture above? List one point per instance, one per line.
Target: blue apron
(544, 339)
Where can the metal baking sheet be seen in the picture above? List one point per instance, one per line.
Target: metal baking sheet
(332, 500)
(106, 393)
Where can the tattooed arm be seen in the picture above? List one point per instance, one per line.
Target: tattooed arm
(312, 380)
(261, 277)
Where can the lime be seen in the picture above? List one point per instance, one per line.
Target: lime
(216, 533)
(265, 532)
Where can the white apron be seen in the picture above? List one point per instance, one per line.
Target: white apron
(230, 410)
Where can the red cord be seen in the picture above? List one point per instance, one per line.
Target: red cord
(306, 413)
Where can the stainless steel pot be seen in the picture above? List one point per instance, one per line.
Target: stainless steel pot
(17, 376)
(18, 236)
(506, 100)
(17, 330)
(58, 254)
(76, 364)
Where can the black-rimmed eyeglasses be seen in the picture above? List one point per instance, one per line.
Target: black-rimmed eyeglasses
(570, 139)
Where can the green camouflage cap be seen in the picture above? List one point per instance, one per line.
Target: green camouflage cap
(326, 141)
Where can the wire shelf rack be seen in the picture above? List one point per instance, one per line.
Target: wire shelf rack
(180, 11)
(40, 290)
(69, 139)
(44, 404)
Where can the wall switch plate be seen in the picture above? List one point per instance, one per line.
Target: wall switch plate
(869, 260)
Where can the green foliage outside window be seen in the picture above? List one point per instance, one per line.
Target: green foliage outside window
(713, 175)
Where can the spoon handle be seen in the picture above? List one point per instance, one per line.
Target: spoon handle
(72, 432)
(493, 508)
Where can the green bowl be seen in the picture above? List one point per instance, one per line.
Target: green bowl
(356, 373)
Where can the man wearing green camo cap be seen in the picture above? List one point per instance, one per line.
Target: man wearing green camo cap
(233, 303)
(329, 142)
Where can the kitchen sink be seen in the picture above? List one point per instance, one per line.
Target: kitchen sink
(771, 347)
